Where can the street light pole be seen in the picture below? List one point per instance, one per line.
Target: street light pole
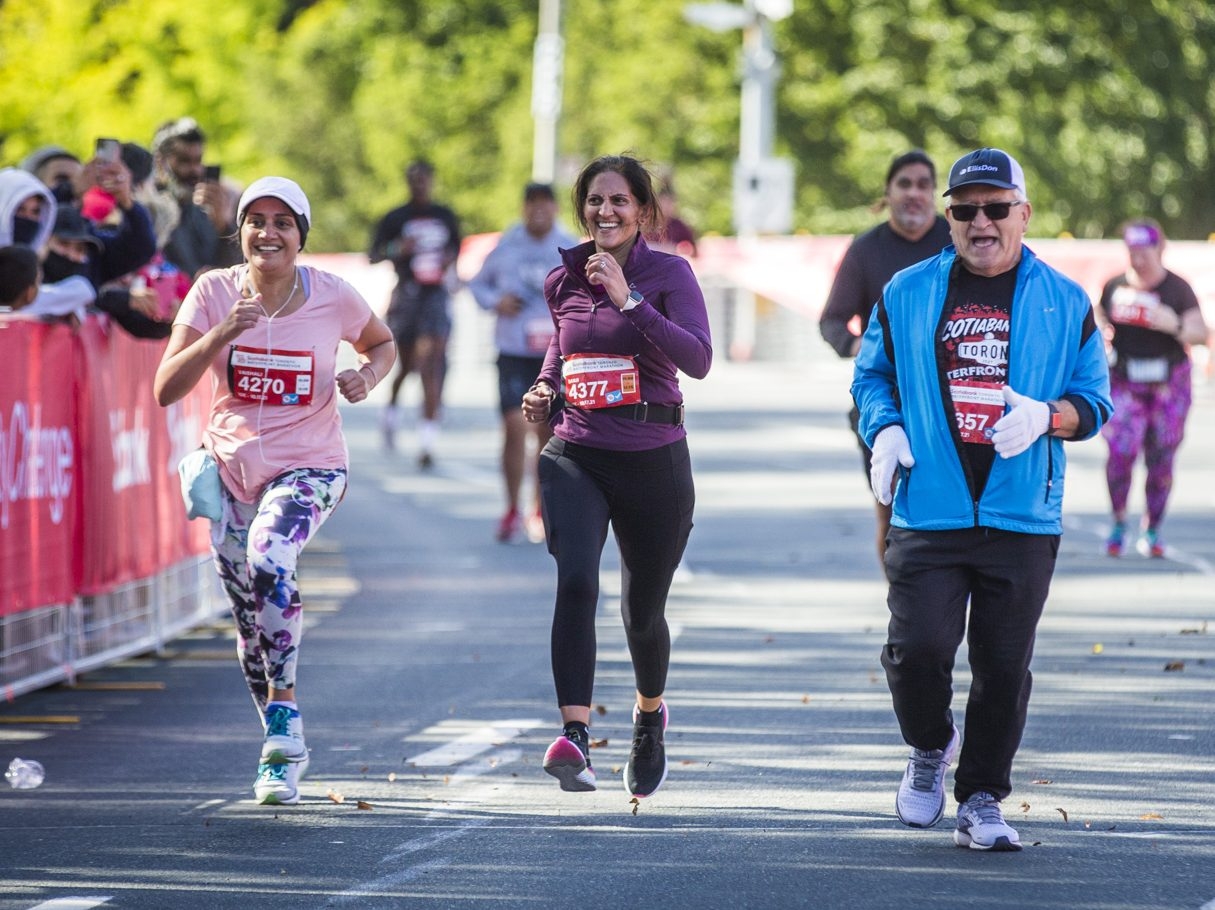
(763, 183)
(547, 66)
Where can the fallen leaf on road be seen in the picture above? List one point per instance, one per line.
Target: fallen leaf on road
(361, 804)
(1098, 648)
(600, 710)
(392, 777)
(598, 743)
(1062, 812)
(1024, 806)
(636, 804)
(1042, 780)
(805, 699)
(336, 797)
(1174, 666)
(1152, 817)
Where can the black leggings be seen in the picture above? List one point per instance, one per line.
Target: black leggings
(647, 498)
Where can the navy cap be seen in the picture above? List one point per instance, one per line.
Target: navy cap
(70, 224)
(990, 167)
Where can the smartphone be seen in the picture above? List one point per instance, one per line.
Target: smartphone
(108, 150)
(211, 173)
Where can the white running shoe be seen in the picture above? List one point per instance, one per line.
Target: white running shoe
(279, 784)
(284, 736)
(921, 799)
(981, 825)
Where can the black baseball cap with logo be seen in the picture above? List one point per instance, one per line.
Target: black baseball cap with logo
(987, 166)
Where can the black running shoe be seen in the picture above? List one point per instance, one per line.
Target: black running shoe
(647, 767)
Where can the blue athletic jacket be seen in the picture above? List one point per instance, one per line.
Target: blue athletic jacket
(1054, 350)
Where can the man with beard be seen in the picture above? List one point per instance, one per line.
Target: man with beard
(201, 240)
(913, 231)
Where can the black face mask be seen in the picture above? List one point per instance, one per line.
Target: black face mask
(63, 192)
(25, 230)
(57, 267)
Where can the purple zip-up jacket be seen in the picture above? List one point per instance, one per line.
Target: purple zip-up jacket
(667, 333)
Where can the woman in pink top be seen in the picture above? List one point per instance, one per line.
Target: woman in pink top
(268, 332)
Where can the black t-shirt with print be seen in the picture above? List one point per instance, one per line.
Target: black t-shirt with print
(972, 354)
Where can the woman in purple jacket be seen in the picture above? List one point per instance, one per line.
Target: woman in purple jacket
(628, 318)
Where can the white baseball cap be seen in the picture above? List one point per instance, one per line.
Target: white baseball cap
(287, 191)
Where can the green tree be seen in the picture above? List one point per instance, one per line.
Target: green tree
(1107, 103)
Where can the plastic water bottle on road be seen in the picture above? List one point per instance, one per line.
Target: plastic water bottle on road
(24, 774)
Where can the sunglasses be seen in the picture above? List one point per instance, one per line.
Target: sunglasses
(995, 211)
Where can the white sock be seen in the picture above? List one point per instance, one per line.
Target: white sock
(428, 433)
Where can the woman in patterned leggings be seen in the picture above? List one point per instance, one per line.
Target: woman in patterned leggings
(268, 331)
(1150, 316)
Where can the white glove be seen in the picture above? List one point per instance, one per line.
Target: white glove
(890, 449)
(1017, 430)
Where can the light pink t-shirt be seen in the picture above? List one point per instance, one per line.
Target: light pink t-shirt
(255, 441)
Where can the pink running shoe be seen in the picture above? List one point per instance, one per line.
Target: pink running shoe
(568, 759)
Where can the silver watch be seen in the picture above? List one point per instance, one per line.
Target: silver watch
(635, 299)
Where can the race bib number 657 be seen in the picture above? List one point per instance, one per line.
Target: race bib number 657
(272, 377)
(977, 406)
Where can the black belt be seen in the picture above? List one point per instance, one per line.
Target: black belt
(650, 413)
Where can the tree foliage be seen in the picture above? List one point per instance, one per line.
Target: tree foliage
(1108, 104)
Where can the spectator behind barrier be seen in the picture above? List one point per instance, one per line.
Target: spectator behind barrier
(58, 169)
(19, 277)
(201, 240)
(27, 217)
(144, 301)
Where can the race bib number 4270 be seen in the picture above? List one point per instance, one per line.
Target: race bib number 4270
(272, 377)
(600, 380)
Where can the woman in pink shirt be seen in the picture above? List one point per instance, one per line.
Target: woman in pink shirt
(268, 332)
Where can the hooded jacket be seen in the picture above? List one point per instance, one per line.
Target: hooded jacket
(1054, 351)
(15, 187)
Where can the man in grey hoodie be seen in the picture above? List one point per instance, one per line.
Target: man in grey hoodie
(511, 284)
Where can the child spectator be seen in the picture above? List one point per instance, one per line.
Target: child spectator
(19, 277)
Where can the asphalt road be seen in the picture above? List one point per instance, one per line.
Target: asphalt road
(428, 705)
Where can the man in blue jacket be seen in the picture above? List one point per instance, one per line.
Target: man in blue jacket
(975, 367)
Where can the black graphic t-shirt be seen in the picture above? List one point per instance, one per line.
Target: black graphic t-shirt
(972, 350)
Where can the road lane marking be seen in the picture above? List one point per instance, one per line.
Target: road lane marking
(71, 903)
(486, 736)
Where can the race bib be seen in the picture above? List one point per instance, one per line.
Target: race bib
(1147, 369)
(539, 333)
(1129, 306)
(600, 380)
(271, 377)
(977, 406)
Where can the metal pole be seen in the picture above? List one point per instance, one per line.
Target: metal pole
(547, 67)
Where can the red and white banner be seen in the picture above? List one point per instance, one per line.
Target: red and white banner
(89, 496)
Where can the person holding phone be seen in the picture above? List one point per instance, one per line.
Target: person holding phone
(267, 333)
(199, 241)
(628, 320)
(976, 366)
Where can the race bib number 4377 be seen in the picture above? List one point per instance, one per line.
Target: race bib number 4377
(600, 380)
(272, 377)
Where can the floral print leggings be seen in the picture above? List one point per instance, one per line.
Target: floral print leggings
(1148, 417)
(256, 547)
